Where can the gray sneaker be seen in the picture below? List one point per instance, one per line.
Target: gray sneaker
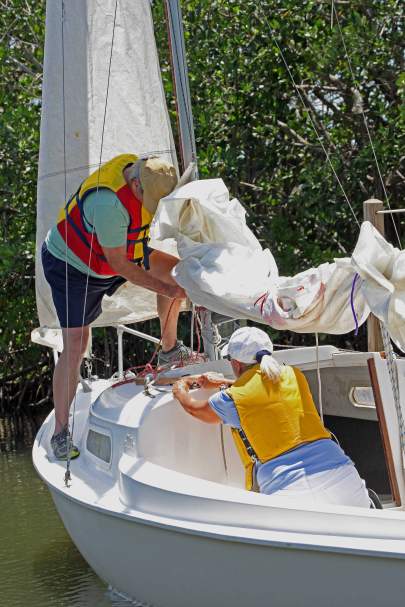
(178, 355)
(61, 443)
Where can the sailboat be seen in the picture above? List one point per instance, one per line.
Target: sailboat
(156, 502)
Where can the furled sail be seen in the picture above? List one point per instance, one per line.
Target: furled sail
(93, 110)
(224, 268)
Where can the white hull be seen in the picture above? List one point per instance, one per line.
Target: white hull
(166, 520)
(167, 567)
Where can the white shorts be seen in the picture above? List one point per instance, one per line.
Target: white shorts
(341, 485)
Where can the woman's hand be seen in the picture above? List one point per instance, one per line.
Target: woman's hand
(180, 388)
(199, 409)
(212, 380)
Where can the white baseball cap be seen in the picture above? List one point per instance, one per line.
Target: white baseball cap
(245, 343)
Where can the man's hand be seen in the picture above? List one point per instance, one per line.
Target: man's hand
(117, 258)
(174, 292)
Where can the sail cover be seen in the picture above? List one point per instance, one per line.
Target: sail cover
(74, 102)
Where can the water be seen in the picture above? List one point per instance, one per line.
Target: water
(39, 565)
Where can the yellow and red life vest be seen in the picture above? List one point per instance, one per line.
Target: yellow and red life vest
(84, 244)
(275, 416)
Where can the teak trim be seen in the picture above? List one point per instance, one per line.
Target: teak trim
(382, 424)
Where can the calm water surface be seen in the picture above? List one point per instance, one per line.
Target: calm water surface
(39, 565)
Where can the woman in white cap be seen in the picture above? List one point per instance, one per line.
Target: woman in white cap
(285, 448)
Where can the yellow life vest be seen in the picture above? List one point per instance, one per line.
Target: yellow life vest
(71, 225)
(275, 416)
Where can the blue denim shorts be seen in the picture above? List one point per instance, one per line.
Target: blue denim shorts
(74, 314)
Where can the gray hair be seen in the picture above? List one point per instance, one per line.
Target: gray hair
(134, 170)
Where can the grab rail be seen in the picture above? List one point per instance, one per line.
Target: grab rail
(121, 329)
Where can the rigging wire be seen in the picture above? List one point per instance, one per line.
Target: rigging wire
(389, 351)
(67, 344)
(309, 115)
(67, 476)
(332, 7)
(387, 345)
(356, 84)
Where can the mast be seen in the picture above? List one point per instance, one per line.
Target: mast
(209, 331)
(186, 133)
(181, 84)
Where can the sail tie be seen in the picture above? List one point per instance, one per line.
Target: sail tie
(262, 299)
(356, 322)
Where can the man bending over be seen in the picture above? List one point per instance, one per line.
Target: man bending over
(99, 242)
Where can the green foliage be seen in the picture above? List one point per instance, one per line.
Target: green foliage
(252, 128)
(21, 49)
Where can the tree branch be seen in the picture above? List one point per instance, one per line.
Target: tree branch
(318, 123)
(294, 134)
(330, 235)
(23, 67)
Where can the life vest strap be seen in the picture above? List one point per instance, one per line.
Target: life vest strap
(71, 199)
(78, 231)
(145, 247)
(80, 202)
(141, 229)
(249, 449)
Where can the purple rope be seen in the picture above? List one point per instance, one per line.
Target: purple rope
(356, 276)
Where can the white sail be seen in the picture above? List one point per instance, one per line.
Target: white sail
(74, 101)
